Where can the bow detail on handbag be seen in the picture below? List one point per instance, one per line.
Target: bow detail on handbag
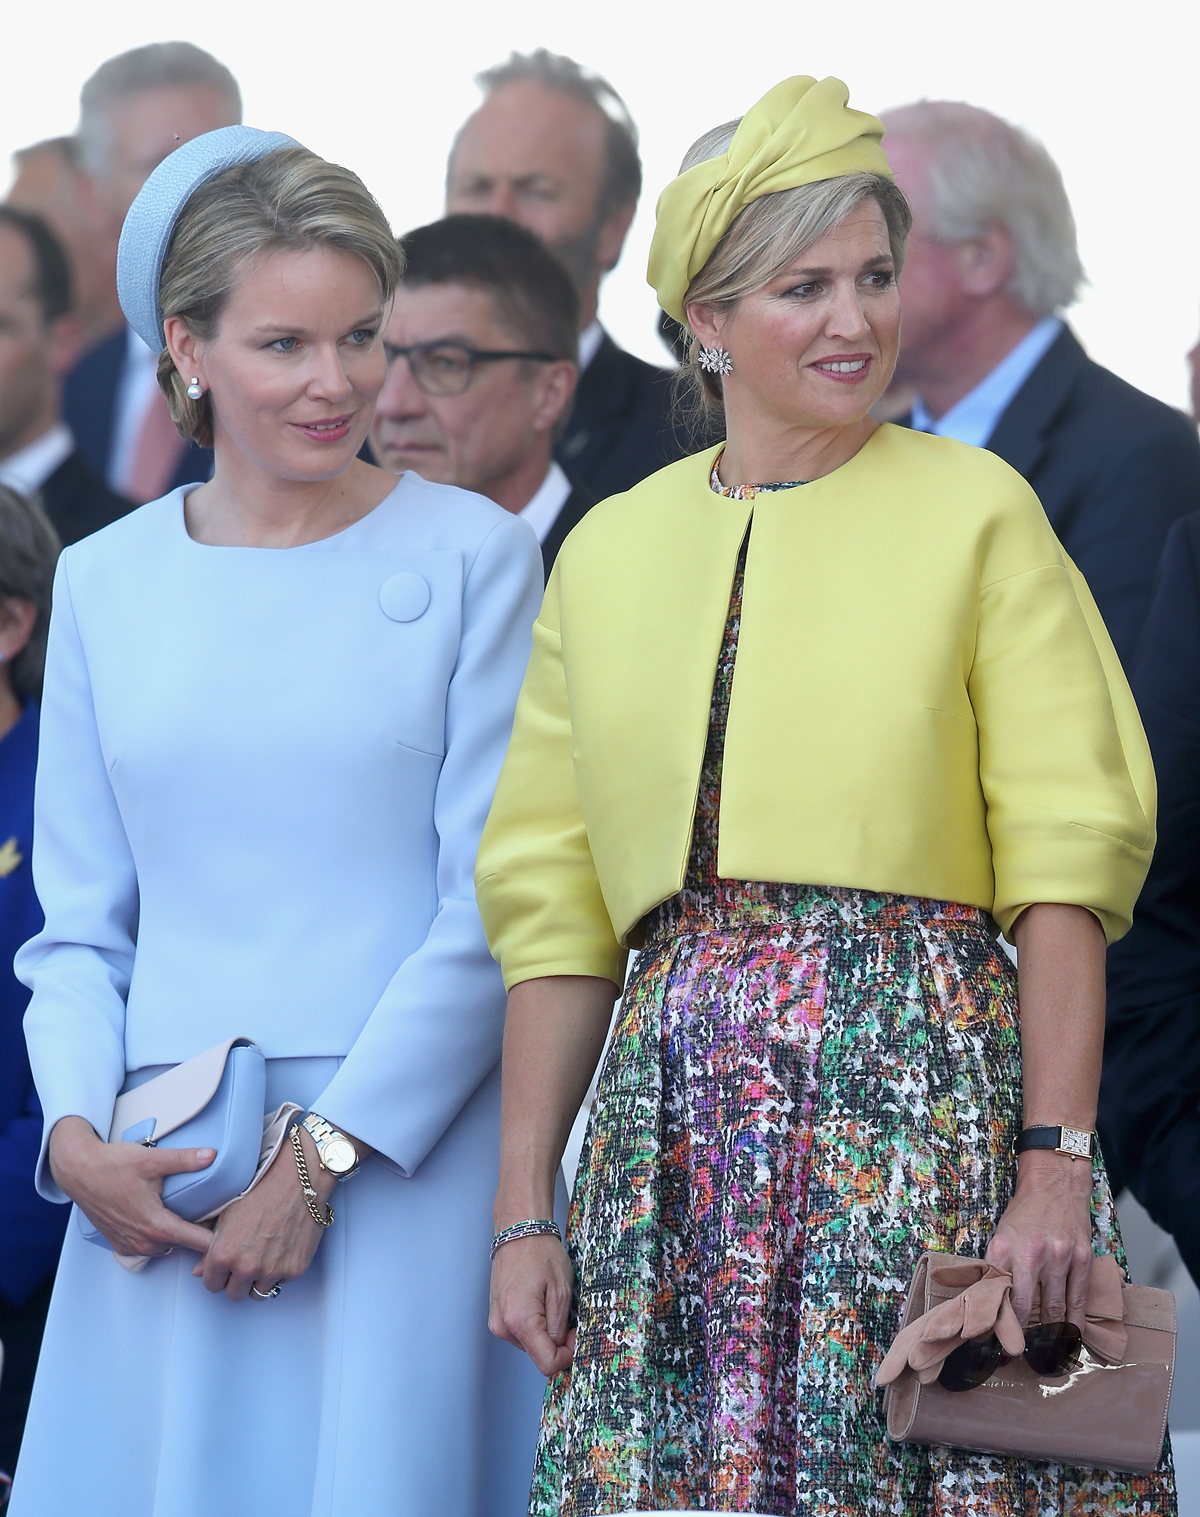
(981, 1303)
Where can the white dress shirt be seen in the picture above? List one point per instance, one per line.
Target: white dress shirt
(542, 511)
(28, 470)
(977, 414)
(136, 393)
(589, 343)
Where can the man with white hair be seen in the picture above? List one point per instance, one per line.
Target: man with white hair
(134, 110)
(991, 264)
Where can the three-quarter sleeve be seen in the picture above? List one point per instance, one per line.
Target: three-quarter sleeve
(1063, 762)
(79, 966)
(539, 894)
(436, 1031)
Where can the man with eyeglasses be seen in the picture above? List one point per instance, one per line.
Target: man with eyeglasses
(481, 370)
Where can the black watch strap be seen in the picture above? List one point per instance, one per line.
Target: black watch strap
(1079, 1142)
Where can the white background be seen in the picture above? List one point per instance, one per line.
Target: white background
(381, 86)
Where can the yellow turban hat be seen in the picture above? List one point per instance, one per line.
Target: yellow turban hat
(799, 132)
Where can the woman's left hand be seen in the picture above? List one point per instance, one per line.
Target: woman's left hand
(269, 1236)
(1044, 1238)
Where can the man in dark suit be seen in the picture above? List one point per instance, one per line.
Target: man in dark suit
(38, 341)
(133, 111)
(1150, 1091)
(481, 369)
(553, 147)
(991, 260)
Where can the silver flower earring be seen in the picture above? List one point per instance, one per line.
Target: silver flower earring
(194, 390)
(715, 361)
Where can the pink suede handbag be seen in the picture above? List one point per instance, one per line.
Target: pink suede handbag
(1105, 1406)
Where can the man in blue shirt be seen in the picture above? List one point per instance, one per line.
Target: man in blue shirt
(31, 1230)
(991, 264)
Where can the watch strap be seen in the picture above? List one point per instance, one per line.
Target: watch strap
(322, 1133)
(1079, 1142)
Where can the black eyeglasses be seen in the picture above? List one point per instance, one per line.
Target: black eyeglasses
(446, 368)
(1051, 1349)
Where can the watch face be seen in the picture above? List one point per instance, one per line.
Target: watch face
(339, 1156)
(1074, 1141)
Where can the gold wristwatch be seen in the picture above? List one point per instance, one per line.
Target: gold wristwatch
(335, 1151)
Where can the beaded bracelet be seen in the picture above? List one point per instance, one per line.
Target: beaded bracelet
(534, 1227)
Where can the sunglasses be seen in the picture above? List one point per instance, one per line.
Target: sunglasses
(1051, 1349)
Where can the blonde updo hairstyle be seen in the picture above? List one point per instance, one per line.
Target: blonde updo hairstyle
(760, 243)
(289, 199)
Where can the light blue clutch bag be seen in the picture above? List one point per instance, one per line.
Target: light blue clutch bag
(215, 1100)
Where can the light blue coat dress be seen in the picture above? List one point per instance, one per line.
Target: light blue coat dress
(262, 780)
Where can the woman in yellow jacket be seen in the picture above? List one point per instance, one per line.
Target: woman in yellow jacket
(809, 716)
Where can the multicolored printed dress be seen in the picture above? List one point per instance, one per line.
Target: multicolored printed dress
(806, 1088)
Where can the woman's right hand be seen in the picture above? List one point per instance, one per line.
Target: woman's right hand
(118, 1187)
(532, 1285)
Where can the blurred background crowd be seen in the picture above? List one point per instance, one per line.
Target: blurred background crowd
(516, 371)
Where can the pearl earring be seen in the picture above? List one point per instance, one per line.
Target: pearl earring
(194, 390)
(715, 361)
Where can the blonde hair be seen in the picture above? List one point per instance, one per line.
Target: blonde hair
(760, 243)
(290, 199)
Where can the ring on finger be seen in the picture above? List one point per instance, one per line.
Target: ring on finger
(266, 1295)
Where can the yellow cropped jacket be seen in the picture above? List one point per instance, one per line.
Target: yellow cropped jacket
(925, 702)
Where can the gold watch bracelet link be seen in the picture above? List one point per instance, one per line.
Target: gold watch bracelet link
(306, 1185)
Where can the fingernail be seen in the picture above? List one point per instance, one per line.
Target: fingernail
(206, 1153)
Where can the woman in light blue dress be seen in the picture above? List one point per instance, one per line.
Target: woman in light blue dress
(275, 707)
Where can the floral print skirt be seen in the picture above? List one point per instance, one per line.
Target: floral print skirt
(805, 1090)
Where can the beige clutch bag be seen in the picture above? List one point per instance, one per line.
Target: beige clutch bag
(1097, 1398)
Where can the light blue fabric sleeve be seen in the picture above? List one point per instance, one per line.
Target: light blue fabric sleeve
(436, 1031)
(79, 965)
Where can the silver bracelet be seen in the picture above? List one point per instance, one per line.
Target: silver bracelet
(534, 1227)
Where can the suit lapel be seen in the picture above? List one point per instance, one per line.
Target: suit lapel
(604, 394)
(604, 386)
(1021, 435)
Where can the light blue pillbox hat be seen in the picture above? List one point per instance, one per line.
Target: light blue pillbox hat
(152, 216)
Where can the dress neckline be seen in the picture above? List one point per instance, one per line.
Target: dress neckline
(320, 542)
(745, 492)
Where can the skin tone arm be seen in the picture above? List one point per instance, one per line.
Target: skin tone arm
(553, 1037)
(1045, 1235)
(267, 1237)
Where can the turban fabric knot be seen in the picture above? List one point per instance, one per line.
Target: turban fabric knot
(984, 1306)
(799, 132)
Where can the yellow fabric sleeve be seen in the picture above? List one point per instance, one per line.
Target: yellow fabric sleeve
(538, 891)
(1063, 761)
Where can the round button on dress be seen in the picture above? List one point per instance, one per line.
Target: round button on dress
(404, 596)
